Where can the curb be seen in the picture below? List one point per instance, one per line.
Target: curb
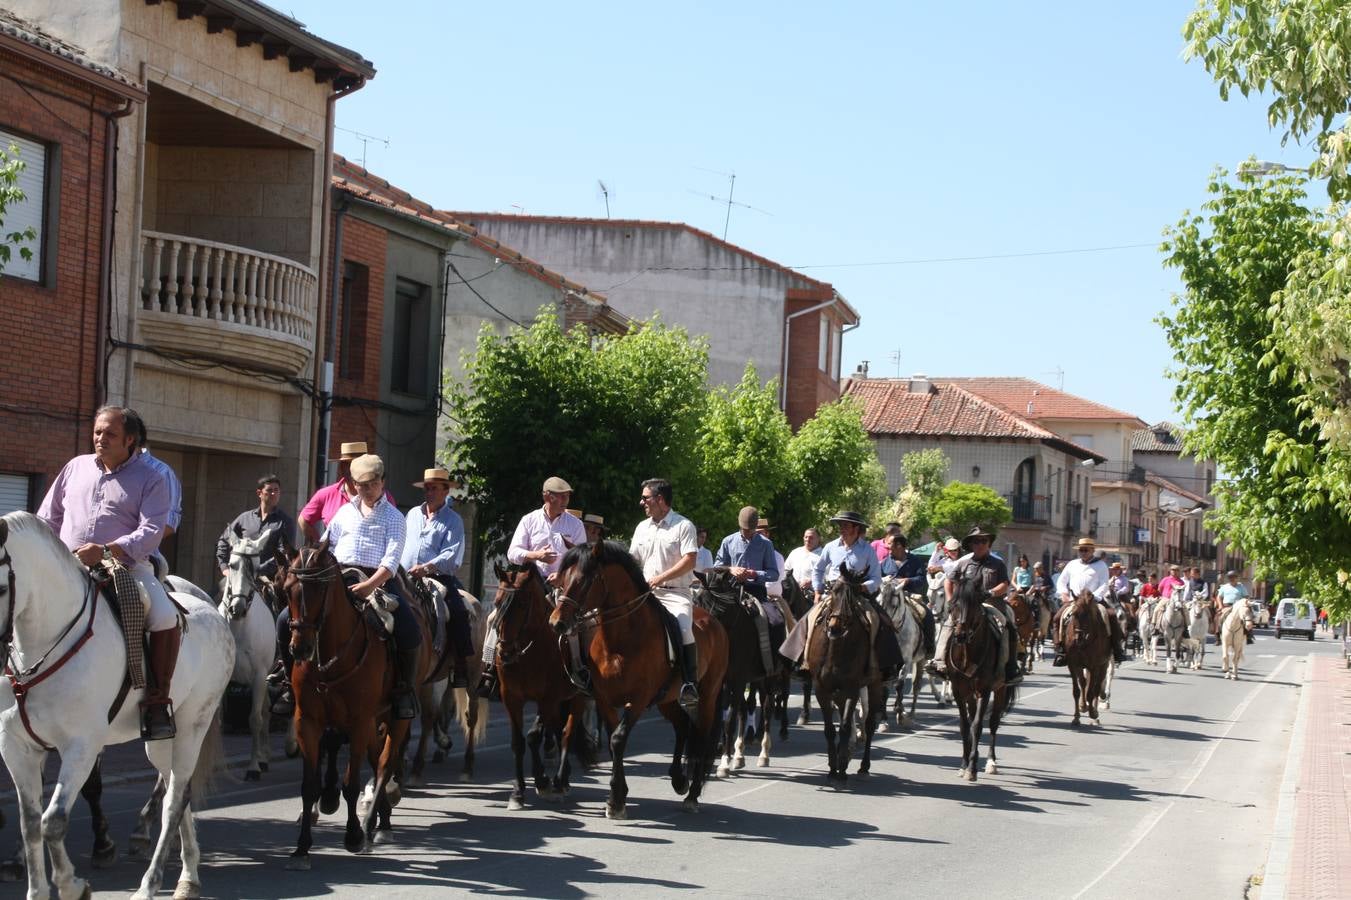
(1276, 873)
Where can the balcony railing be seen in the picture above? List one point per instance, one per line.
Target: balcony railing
(1029, 508)
(1074, 514)
(226, 301)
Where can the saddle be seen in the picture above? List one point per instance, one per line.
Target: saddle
(672, 629)
(430, 593)
(131, 607)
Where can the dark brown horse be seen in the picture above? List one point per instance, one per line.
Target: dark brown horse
(976, 676)
(800, 603)
(533, 667)
(837, 657)
(605, 594)
(1088, 651)
(1025, 621)
(342, 679)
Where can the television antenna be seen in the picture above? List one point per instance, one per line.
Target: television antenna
(365, 139)
(728, 201)
(1059, 373)
(895, 356)
(605, 192)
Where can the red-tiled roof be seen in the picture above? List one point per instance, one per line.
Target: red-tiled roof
(1148, 440)
(758, 260)
(946, 410)
(25, 32)
(1034, 400)
(358, 182)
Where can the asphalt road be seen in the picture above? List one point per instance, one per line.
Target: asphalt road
(1174, 795)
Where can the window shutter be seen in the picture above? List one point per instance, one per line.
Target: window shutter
(13, 493)
(28, 213)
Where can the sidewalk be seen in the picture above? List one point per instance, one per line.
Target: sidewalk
(1317, 849)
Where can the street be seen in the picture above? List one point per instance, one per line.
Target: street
(1175, 795)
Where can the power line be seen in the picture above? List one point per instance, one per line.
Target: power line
(466, 282)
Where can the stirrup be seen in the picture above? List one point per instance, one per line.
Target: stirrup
(1060, 659)
(487, 687)
(689, 698)
(404, 703)
(285, 704)
(153, 728)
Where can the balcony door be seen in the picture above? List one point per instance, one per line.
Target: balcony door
(1024, 489)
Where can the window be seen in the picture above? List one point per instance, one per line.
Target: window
(823, 346)
(837, 335)
(29, 212)
(408, 361)
(13, 493)
(1083, 440)
(352, 321)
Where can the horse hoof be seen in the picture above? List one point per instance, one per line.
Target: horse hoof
(291, 748)
(612, 813)
(882, 727)
(104, 858)
(690, 806)
(298, 862)
(262, 767)
(416, 780)
(466, 776)
(515, 804)
(969, 776)
(762, 762)
(802, 720)
(991, 768)
(253, 775)
(383, 836)
(1075, 722)
(394, 794)
(356, 845)
(187, 890)
(138, 846)
(722, 772)
(739, 763)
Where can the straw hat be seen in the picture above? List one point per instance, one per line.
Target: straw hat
(952, 544)
(1085, 542)
(575, 513)
(434, 475)
(351, 451)
(848, 515)
(763, 523)
(593, 519)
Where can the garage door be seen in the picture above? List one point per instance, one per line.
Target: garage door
(13, 493)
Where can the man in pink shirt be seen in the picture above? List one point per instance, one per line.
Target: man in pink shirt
(1171, 581)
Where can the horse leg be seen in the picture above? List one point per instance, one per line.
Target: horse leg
(330, 795)
(309, 738)
(743, 720)
(105, 848)
(846, 744)
(140, 839)
(76, 763)
(567, 732)
(1075, 676)
(534, 739)
(828, 718)
(996, 714)
(429, 703)
(982, 706)
(730, 720)
(387, 770)
(681, 723)
(964, 721)
(876, 709)
(175, 761)
(469, 723)
(619, 738)
(805, 715)
(354, 835)
(766, 709)
(25, 767)
(781, 692)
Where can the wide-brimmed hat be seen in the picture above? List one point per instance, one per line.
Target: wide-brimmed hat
(848, 515)
(976, 532)
(367, 467)
(1231, 574)
(351, 451)
(1116, 565)
(748, 516)
(952, 544)
(555, 485)
(593, 519)
(1085, 542)
(763, 523)
(574, 512)
(434, 475)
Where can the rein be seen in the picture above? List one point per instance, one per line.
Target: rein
(324, 576)
(592, 618)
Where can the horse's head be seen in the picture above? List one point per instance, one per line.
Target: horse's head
(522, 603)
(588, 575)
(719, 588)
(311, 580)
(843, 601)
(1084, 613)
(241, 573)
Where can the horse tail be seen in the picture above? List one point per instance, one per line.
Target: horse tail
(210, 762)
(462, 700)
(1010, 697)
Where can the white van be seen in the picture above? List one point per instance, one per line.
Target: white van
(1294, 615)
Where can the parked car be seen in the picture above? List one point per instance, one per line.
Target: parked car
(1295, 616)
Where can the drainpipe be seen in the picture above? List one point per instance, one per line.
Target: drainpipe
(787, 324)
(329, 351)
(104, 313)
(323, 364)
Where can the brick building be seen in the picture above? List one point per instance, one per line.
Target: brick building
(59, 108)
(791, 326)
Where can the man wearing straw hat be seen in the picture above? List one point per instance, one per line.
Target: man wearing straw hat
(1086, 574)
(595, 527)
(433, 547)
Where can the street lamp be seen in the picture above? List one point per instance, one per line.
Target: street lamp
(1263, 167)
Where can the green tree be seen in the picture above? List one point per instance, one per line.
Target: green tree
(832, 466)
(1282, 501)
(923, 474)
(960, 505)
(603, 413)
(11, 193)
(740, 456)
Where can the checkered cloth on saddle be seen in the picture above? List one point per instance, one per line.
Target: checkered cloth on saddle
(131, 610)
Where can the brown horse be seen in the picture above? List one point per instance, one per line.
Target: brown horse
(976, 676)
(342, 677)
(1026, 623)
(837, 657)
(605, 594)
(1087, 639)
(532, 667)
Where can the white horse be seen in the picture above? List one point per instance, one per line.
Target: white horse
(910, 636)
(1170, 623)
(255, 633)
(1147, 630)
(1198, 631)
(1234, 637)
(72, 661)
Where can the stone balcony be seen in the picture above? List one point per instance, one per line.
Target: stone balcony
(226, 302)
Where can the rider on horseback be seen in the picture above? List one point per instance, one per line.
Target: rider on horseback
(749, 556)
(113, 505)
(1087, 574)
(993, 577)
(433, 548)
(1230, 593)
(909, 569)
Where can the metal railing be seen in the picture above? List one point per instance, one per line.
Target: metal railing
(1029, 508)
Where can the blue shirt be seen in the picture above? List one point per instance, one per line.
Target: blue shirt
(756, 553)
(860, 556)
(438, 540)
(912, 570)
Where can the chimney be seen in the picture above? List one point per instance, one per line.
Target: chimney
(920, 384)
(862, 370)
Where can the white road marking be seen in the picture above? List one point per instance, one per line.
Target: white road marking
(1146, 825)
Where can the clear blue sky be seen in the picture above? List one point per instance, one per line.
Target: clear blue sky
(873, 133)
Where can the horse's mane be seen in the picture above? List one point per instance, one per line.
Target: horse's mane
(590, 557)
(26, 523)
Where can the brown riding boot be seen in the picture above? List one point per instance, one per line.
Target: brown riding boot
(157, 720)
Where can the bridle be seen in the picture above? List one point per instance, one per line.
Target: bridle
(507, 651)
(586, 618)
(841, 615)
(250, 579)
(306, 577)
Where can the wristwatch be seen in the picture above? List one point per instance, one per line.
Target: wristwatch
(107, 552)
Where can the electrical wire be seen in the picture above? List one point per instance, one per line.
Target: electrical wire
(473, 290)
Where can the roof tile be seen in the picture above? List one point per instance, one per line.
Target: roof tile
(1034, 400)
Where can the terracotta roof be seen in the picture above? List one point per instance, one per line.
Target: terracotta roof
(1148, 441)
(1034, 400)
(26, 32)
(947, 410)
(580, 303)
(759, 261)
(1167, 485)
